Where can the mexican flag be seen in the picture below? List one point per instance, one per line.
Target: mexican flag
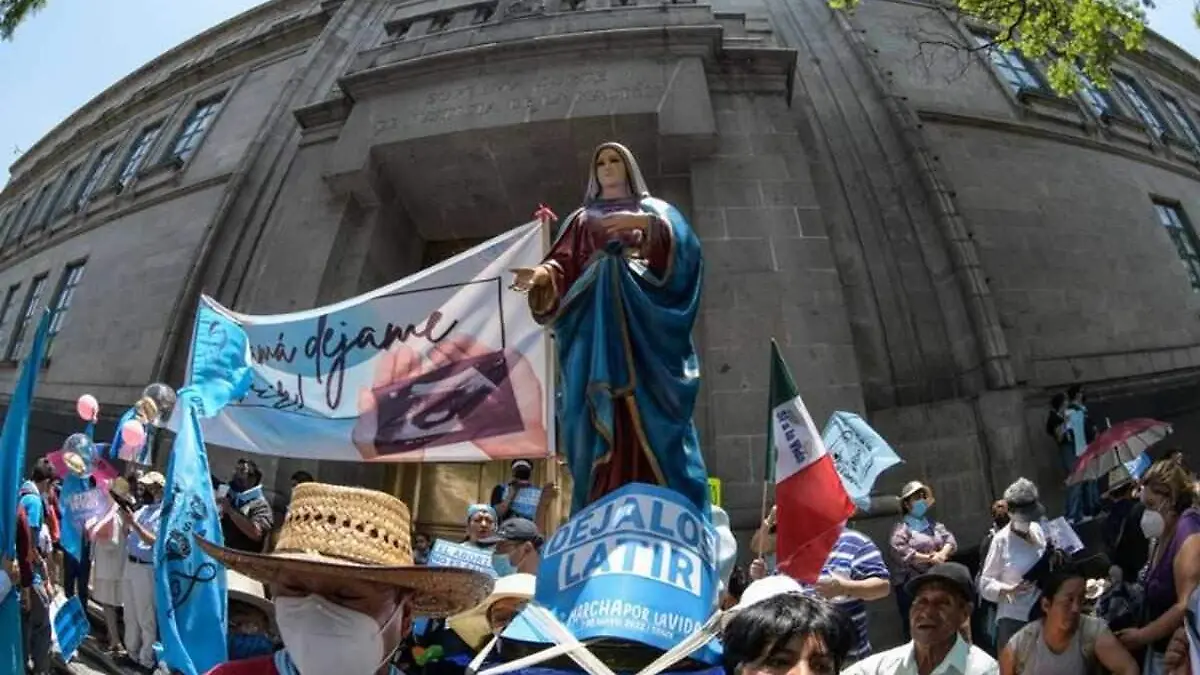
(811, 504)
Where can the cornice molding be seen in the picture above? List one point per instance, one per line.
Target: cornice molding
(959, 118)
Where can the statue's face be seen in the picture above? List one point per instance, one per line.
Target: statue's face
(611, 172)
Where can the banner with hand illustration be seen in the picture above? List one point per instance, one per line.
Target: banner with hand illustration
(444, 365)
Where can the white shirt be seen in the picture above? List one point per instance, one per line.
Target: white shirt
(963, 659)
(1009, 558)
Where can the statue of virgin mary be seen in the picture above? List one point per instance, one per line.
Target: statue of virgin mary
(620, 288)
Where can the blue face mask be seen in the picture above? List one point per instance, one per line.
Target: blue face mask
(502, 564)
(919, 508)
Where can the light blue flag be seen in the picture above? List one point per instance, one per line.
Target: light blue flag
(220, 369)
(189, 585)
(859, 453)
(12, 466)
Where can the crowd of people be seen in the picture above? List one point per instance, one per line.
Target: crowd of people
(326, 592)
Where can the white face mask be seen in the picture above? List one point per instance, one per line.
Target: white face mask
(1152, 524)
(322, 637)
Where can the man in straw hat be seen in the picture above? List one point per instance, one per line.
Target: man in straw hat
(345, 585)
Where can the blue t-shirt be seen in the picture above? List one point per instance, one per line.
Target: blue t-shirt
(856, 557)
(35, 516)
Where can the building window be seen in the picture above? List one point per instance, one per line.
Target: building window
(440, 22)
(1015, 69)
(137, 154)
(32, 300)
(1181, 119)
(399, 30)
(6, 310)
(35, 222)
(1141, 105)
(61, 197)
(1097, 99)
(62, 301)
(99, 168)
(1171, 217)
(14, 229)
(483, 14)
(197, 122)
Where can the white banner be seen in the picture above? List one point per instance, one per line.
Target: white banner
(445, 365)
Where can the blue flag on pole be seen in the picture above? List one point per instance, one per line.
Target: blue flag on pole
(859, 453)
(189, 585)
(12, 466)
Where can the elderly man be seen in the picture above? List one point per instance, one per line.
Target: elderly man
(344, 584)
(942, 602)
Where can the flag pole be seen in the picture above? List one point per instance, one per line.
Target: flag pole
(762, 518)
(547, 218)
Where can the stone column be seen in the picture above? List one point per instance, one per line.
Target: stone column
(769, 273)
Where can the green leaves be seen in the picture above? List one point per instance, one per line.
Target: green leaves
(1069, 37)
(13, 12)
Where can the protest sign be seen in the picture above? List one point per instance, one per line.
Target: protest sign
(70, 627)
(526, 503)
(448, 554)
(445, 365)
(1062, 535)
(640, 565)
(86, 507)
(859, 454)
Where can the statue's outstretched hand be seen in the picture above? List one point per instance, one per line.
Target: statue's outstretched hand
(525, 279)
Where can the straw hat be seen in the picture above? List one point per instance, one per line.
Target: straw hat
(473, 626)
(244, 589)
(347, 532)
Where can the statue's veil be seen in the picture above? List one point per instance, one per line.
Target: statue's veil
(637, 184)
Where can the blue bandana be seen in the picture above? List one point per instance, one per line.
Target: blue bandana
(480, 508)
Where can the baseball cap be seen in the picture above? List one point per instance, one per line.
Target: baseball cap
(515, 529)
(955, 574)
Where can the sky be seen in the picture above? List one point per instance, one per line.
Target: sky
(65, 55)
(74, 49)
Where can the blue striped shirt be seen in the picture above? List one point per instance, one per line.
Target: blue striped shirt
(855, 557)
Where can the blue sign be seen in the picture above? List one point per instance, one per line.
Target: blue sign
(462, 556)
(71, 627)
(640, 565)
(526, 503)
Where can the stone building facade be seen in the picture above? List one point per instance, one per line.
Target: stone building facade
(935, 240)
